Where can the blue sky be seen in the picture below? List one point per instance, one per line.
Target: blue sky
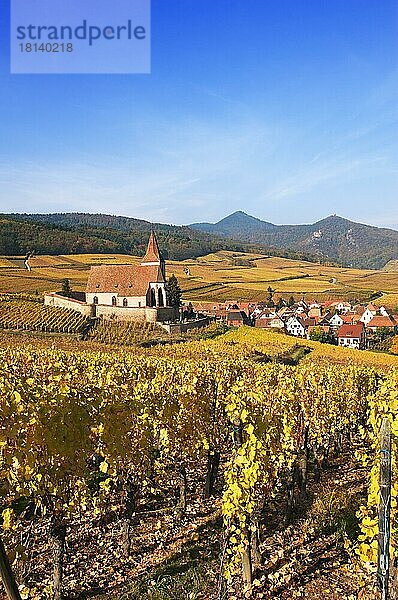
(286, 109)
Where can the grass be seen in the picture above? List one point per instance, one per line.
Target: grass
(190, 573)
(170, 582)
(334, 511)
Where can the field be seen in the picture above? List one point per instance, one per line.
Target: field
(129, 454)
(34, 316)
(216, 465)
(215, 277)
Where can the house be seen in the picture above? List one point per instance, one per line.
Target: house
(343, 319)
(343, 307)
(368, 314)
(285, 313)
(315, 312)
(274, 322)
(295, 326)
(325, 319)
(135, 286)
(336, 321)
(308, 322)
(300, 308)
(266, 313)
(237, 318)
(381, 322)
(352, 336)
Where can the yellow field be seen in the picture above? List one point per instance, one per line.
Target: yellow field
(277, 343)
(215, 277)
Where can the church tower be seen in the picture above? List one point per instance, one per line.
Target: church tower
(152, 257)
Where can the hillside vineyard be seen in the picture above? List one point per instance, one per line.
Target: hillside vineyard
(82, 431)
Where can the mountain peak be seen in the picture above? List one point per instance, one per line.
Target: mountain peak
(241, 217)
(235, 224)
(333, 220)
(333, 237)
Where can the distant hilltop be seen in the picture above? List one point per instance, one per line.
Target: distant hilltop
(335, 238)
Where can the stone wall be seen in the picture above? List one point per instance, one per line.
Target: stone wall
(52, 299)
(144, 314)
(147, 314)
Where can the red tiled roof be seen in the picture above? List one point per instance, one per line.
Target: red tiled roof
(123, 280)
(380, 321)
(152, 252)
(349, 318)
(307, 322)
(350, 331)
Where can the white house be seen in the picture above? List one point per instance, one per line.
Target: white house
(368, 315)
(343, 307)
(294, 326)
(352, 336)
(135, 286)
(336, 321)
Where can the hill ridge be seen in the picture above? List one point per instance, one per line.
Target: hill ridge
(331, 238)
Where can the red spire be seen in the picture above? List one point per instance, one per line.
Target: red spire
(152, 254)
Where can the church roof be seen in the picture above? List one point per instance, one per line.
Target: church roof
(152, 252)
(123, 280)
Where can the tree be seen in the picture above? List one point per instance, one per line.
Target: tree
(384, 332)
(270, 300)
(291, 301)
(320, 335)
(173, 291)
(66, 289)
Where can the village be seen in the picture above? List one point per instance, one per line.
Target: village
(139, 293)
(359, 326)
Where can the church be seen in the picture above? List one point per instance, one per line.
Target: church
(130, 286)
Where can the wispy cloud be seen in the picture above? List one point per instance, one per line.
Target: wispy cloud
(317, 172)
(181, 171)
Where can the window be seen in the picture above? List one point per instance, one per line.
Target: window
(125, 303)
(95, 299)
(113, 300)
(160, 298)
(153, 298)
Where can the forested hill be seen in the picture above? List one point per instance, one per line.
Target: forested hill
(80, 233)
(333, 238)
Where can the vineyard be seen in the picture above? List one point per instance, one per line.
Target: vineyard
(119, 443)
(34, 316)
(125, 333)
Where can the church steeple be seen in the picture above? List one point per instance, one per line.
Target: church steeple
(152, 256)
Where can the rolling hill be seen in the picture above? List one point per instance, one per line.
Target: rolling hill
(333, 238)
(77, 233)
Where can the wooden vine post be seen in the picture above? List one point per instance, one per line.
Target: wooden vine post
(383, 558)
(247, 567)
(7, 575)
